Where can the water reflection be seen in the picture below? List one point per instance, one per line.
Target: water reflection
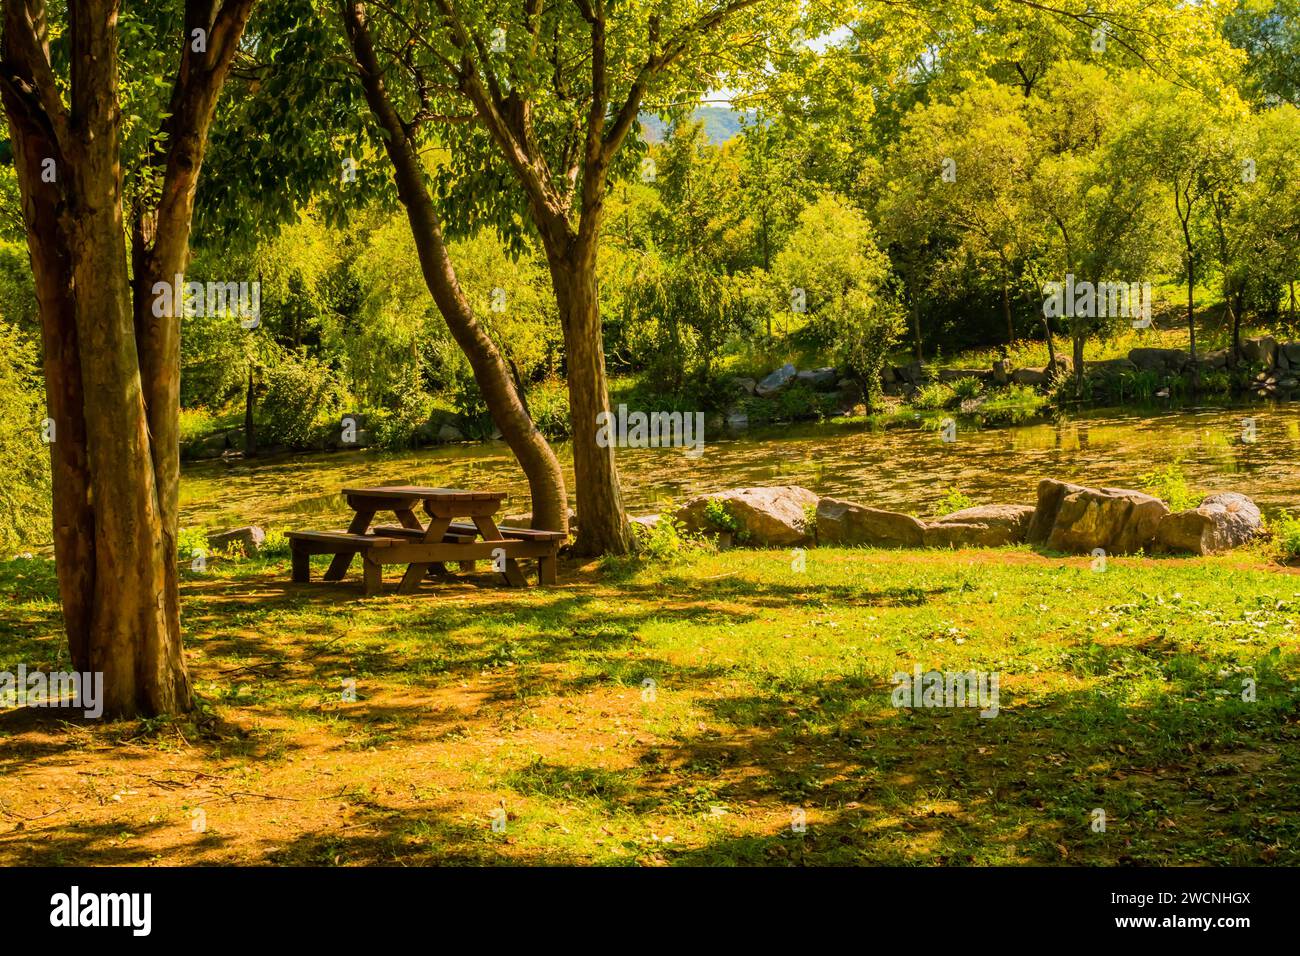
(906, 469)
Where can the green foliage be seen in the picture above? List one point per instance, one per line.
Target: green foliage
(934, 396)
(955, 500)
(299, 390)
(967, 387)
(1285, 530)
(847, 290)
(719, 516)
(548, 403)
(24, 459)
(1169, 484)
(667, 541)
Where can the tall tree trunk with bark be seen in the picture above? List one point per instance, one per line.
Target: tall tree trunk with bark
(112, 380)
(602, 524)
(504, 400)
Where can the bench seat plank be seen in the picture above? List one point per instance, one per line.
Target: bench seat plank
(523, 534)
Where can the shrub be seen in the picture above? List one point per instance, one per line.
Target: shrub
(667, 541)
(720, 517)
(934, 396)
(954, 500)
(1170, 485)
(24, 460)
(967, 388)
(298, 391)
(1286, 536)
(548, 403)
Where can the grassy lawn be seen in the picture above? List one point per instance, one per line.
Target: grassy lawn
(1120, 691)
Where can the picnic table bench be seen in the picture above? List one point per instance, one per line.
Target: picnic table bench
(425, 549)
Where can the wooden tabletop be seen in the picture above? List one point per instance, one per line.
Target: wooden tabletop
(415, 493)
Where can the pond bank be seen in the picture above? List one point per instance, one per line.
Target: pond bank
(902, 469)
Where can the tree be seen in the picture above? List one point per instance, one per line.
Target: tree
(1189, 147)
(964, 166)
(111, 363)
(833, 260)
(1092, 190)
(556, 91)
(502, 392)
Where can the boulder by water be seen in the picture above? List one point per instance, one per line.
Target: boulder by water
(844, 522)
(776, 381)
(772, 517)
(249, 539)
(984, 526)
(1075, 518)
(1219, 523)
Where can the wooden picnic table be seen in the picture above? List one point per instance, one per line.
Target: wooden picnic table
(423, 548)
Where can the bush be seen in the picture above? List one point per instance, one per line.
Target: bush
(298, 391)
(720, 517)
(1286, 536)
(1170, 485)
(967, 388)
(548, 403)
(25, 492)
(667, 541)
(954, 500)
(935, 396)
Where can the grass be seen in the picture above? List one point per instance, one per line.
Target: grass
(681, 714)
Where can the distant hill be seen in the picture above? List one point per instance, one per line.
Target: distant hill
(720, 123)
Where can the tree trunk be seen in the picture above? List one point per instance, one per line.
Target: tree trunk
(250, 434)
(135, 626)
(1006, 311)
(602, 524)
(1079, 341)
(504, 402)
(112, 368)
(916, 328)
(51, 260)
(1051, 348)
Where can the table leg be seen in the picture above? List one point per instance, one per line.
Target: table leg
(373, 575)
(301, 564)
(546, 570)
(490, 532)
(339, 566)
(414, 572)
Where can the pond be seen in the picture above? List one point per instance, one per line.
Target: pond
(905, 469)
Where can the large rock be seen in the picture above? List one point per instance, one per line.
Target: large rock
(1112, 366)
(984, 526)
(843, 522)
(1170, 360)
(773, 517)
(450, 433)
(819, 379)
(1262, 350)
(1219, 523)
(1029, 376)
(744, 386)
(247, 539)
(1075, 518)
(776, 381)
